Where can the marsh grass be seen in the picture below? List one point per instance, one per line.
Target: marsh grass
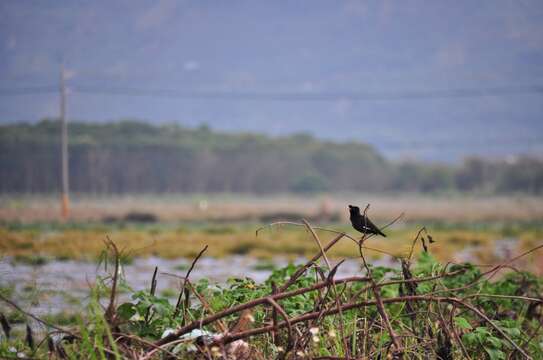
(29, 246)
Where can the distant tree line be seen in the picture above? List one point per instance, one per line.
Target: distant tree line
(135, 157)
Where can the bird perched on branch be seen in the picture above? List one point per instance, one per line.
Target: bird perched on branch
(361, 222)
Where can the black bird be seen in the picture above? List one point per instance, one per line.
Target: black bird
(361, 222)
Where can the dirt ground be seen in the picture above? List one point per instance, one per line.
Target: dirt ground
(174, 207)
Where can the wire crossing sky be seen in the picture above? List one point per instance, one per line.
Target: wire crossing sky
(286, 96)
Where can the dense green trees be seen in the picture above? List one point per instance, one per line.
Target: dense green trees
(128, 156)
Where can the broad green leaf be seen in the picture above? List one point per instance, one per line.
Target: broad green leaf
(126, 311)
(495, 354)
(462, 323)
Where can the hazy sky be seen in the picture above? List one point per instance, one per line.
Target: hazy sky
(311, 47)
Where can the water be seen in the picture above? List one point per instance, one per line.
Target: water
(64, 285)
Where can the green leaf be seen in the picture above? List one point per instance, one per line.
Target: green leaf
(462, 323)
(495, 354)
(496, 342)
(469, 338)
(482, 334)
(513, 332)
(126, 311)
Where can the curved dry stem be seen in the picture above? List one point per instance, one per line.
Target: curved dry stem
(276, 306)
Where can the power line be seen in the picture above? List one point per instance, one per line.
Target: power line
(285, 96)
(324, 96)
(47, 89)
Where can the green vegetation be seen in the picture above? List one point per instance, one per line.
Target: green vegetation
(36, 244)
(134, 157)
(429, 310)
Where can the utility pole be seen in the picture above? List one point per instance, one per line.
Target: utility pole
(64, 147)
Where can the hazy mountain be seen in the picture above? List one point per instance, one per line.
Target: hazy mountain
(310, 47)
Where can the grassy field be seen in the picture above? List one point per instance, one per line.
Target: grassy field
(84, 241)
(181, 225)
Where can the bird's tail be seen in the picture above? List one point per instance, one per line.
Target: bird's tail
(381, 233)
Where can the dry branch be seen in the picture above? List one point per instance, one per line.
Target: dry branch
(182, 291)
